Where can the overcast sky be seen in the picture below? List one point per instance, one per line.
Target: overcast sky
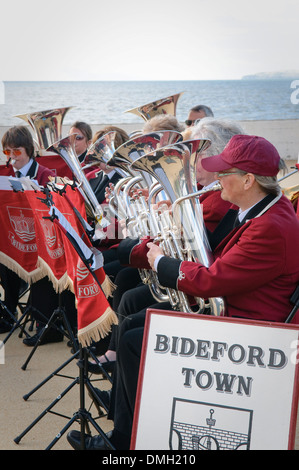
(153, 40)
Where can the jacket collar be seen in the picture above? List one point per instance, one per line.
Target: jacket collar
(228, 225)
(32, 172)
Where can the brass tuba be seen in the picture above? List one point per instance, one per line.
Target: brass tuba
(135, 208)
(65, 148)
(135, 148)
(47, 126)
(161, 106)
(183, 234)
(101, 151)
(126, 154)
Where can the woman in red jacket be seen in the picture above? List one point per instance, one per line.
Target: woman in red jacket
(256, 265)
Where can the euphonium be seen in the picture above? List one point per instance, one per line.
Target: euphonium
(175, 169)
(160, 106)
(65, 148)
(135, 209)
(47, 126)
(126, 154)
(135, 148)
(101, 151)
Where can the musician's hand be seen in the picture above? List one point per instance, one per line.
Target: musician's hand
(167, 203)
(140, 192)
(108, 191)
(153, 252)
(123, 225)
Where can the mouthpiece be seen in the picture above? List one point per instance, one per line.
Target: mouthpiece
(8, 161)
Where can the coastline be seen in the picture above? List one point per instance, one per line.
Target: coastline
(283, 134)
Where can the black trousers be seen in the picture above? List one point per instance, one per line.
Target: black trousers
(43, 299)
(11, 284)
(129, 345)
(125, 279)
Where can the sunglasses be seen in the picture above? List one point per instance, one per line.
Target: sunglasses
(189, 123)
(16, 152)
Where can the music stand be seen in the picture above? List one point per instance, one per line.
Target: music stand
(19, 322)
(58, 315)
(12, 316)
(82, 415)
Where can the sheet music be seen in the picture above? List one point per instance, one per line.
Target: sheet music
(10, 183)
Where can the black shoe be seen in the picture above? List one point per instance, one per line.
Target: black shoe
(5, 326)
(102, 397)
(52, 337)
(91, 442)
(98, 369)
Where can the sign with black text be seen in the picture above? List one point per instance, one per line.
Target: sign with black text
(216, 383)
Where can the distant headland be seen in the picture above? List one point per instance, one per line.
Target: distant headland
(284, 75)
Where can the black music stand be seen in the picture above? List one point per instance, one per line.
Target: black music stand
(58, 320)
(58, 316)
(82, 415)
(56, 372)
(22, 321)
(13, 318)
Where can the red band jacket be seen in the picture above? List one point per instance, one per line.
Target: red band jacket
(256, 267)
(38, 172)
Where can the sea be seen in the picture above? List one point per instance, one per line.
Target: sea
(107, 102)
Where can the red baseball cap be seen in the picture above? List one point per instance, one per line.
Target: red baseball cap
(248, 153)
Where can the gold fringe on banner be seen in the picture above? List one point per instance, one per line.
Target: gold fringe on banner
(59, 285)
(98, 329)
(108, 287)
(29, 277)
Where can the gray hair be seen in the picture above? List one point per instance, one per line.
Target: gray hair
(202, 107)
(270, 184)
(218, 131)
(162, 122)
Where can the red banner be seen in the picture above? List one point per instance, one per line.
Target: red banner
(90, 283)
(18, 247)
(57, 164)
(50, 242)
(34, 245)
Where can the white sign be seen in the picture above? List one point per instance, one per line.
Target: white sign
(216, 383)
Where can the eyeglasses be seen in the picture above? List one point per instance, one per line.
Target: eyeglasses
(220, 175)
(16, 152)
(189, 122)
